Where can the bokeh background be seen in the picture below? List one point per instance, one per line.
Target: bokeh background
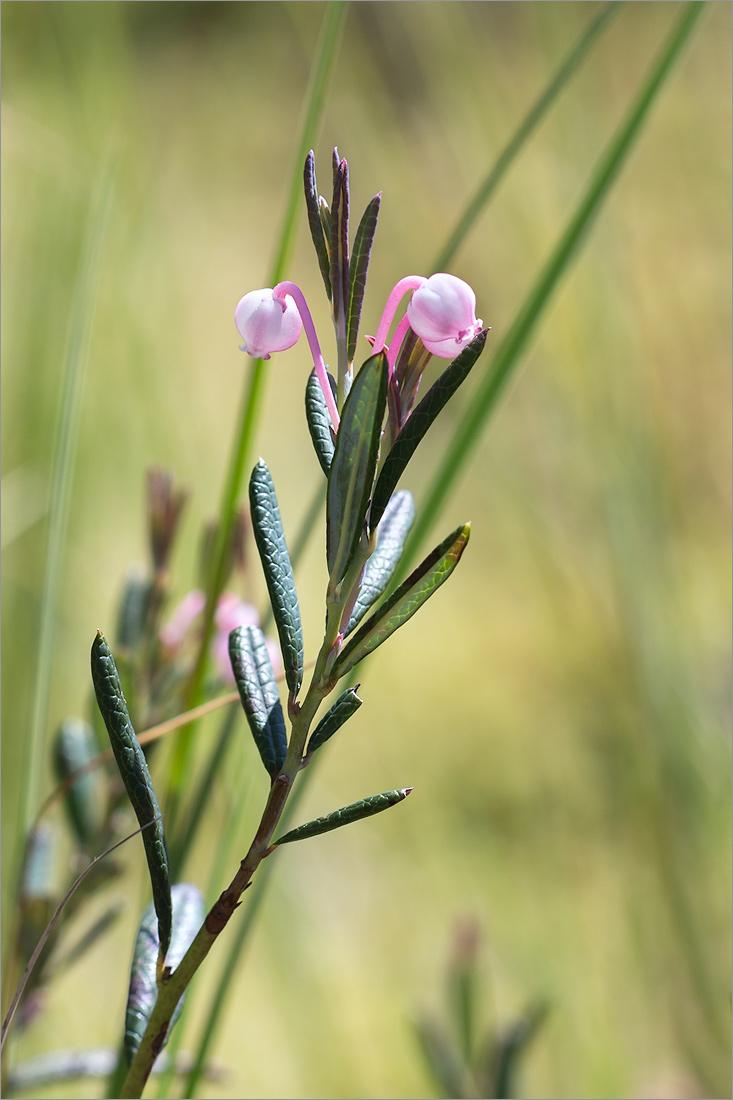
(562, 706)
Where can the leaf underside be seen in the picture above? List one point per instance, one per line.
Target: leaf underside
(259, 693)
(394, 527)
(404, 601)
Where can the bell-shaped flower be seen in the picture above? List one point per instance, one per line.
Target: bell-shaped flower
(442, 311)
(267, 324)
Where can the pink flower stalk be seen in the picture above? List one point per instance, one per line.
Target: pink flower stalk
(442, 312)
(292, 290)
(266, 323)
(410, 282)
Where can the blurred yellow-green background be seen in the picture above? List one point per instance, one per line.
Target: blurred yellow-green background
(561, 707)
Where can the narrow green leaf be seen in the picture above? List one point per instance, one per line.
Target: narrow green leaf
(319, 420)
(354, 462)
(508, 354)
(394, 527)
(510, 1048)
(404, 601)
(259, 694)
(345, 706)
(75, 746)
(136, 777)
(358, 268)
(418, 423)
(519, 138)
(133, 610)
(314, 220)
(366, 807)
(340, 243)
(270, 539)
(188, 915)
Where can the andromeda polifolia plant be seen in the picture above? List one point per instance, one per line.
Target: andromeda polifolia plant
(365, 423)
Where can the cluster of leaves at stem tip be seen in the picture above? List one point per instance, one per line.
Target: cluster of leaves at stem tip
(365, 425)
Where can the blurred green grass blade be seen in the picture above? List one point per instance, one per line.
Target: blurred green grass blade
(521, 135)
(255, 389)
(509, 351)
(202, 798)
(62, 471)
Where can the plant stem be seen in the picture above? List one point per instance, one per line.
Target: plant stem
(172, 987)
(252, 403)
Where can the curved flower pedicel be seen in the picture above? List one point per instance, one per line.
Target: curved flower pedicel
(271, 320)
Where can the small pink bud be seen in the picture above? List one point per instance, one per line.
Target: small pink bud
(267, 324)
(442, 311)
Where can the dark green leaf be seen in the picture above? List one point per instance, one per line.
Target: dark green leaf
(394, 527)
(314, 220)
(319, 420)
(404, 601)
(441, 1058)
(354, 462)
(366, 807)
(347, 704)
(358, 268)
(188, 915)
(270, 539)
(259, 694)
(340, 245)
(133, 610)
(417, 425)
(75, 746)
(509, 1049)
(136, 777)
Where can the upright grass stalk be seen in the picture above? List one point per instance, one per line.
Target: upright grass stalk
(521, 134)
(62, 472)
(254, 394)
(507, 356)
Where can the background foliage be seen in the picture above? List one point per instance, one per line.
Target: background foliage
(561, 708)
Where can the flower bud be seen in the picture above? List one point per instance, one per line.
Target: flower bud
(442, 311)
(267, 324)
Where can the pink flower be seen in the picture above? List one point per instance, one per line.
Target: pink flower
(174, 632)
(230, 613)
(267, 324)
(442, 311)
